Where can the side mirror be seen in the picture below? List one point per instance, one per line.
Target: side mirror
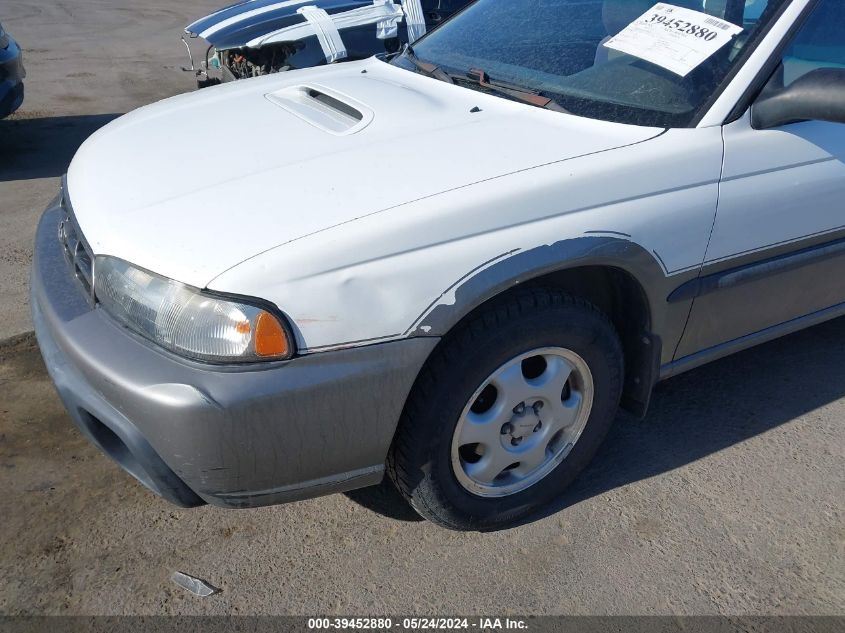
(818, 95)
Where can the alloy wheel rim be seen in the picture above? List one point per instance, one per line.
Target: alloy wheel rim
(522, 422)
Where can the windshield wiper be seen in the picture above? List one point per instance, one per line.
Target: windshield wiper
(519, 93)
(432, 70)
(480, 77)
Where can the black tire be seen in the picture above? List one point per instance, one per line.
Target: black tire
(419, 462)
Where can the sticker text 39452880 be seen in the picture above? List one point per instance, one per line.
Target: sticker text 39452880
(674, 38)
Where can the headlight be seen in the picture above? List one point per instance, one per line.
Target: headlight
(188, 321)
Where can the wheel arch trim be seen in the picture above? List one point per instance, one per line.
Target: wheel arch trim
(662, 324)
(522, 266)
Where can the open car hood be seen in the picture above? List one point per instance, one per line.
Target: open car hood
(196, 184)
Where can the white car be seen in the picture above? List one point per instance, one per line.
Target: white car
(453, 265)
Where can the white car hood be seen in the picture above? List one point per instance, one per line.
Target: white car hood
(192, 186)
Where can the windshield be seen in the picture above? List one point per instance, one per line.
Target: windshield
(629, 61)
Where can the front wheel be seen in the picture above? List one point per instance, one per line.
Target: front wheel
(509, 409)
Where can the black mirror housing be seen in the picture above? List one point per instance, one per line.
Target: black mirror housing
(818, 95)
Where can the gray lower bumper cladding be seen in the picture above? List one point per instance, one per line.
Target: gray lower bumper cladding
(231, 436)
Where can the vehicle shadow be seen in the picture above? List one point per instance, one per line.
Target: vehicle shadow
(709, 409)
(43, 147)
(384, 499)
(716, 406)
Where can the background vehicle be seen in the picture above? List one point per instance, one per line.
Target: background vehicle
(597, 222)
(261, 37)
(12, 74)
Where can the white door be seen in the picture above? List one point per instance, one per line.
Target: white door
(777, 252)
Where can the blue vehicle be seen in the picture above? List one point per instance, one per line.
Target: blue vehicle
(260, 37)
(12, 74)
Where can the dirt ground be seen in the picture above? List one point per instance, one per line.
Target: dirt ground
(727, 499)
(87, 62)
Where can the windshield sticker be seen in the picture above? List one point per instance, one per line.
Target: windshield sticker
(675, 38)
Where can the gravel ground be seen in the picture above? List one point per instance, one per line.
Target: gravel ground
(727, 499)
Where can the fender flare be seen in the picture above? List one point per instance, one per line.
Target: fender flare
(663, 324)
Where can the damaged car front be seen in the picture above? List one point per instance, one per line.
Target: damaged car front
(261, 37)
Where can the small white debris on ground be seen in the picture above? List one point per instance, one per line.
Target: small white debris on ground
(196, 586)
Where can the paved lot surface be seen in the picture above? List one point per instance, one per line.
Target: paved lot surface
(729, 498)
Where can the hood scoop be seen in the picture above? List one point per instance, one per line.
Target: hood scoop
(323, 108)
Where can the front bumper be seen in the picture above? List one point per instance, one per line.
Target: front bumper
(12, 75)
(230, 436)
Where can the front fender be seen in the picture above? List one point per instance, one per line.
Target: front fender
(418, 268)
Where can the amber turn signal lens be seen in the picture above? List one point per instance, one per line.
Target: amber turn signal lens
(270, 337)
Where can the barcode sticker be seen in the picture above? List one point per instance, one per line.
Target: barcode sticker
(674, 38)
(719, 24)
